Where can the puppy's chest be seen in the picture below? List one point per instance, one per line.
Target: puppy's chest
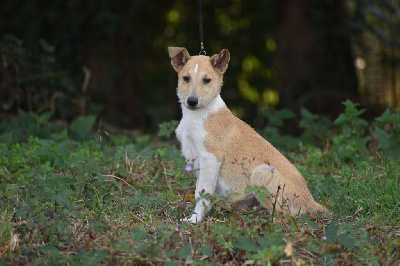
(191, 134)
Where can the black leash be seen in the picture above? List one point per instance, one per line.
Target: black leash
(200, 15)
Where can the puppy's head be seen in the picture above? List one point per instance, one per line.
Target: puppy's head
(199, 77)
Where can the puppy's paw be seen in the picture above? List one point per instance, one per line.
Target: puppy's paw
(194, 219)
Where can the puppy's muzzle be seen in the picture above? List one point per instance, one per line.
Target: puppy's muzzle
(192, 101)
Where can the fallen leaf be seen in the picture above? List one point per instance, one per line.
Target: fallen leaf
(189, 196)
(289, 249)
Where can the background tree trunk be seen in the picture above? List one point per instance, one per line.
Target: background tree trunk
(315, 60)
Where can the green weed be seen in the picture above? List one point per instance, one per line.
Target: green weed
(72, 199)
(387, 132)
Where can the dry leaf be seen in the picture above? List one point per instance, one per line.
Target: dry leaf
(14, 242)
(289, 249)
(189, 197)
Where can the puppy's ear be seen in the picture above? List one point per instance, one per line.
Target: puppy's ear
(220, 61)
(179, 56)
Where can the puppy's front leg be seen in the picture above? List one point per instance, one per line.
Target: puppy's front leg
(206, 184)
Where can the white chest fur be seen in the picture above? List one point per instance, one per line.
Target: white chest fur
(192, 134)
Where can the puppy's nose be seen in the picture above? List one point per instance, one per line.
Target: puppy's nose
(192, 101)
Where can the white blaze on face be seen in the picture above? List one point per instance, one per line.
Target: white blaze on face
(196, 68)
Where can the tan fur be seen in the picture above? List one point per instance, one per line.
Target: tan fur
(204, 92)
(242, 156)
(207, 68)
(234, 142)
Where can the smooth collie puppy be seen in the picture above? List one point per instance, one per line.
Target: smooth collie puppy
(228, 154)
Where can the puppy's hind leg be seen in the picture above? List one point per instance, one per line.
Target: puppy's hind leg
(264, 176)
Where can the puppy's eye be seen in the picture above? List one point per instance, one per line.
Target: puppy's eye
(206, 80)
(186, 79)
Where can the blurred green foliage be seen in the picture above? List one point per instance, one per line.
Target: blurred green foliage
(387, 132)
(125, 44)
(31, 79)
(44, 46)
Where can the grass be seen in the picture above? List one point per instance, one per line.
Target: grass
(119, 200)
